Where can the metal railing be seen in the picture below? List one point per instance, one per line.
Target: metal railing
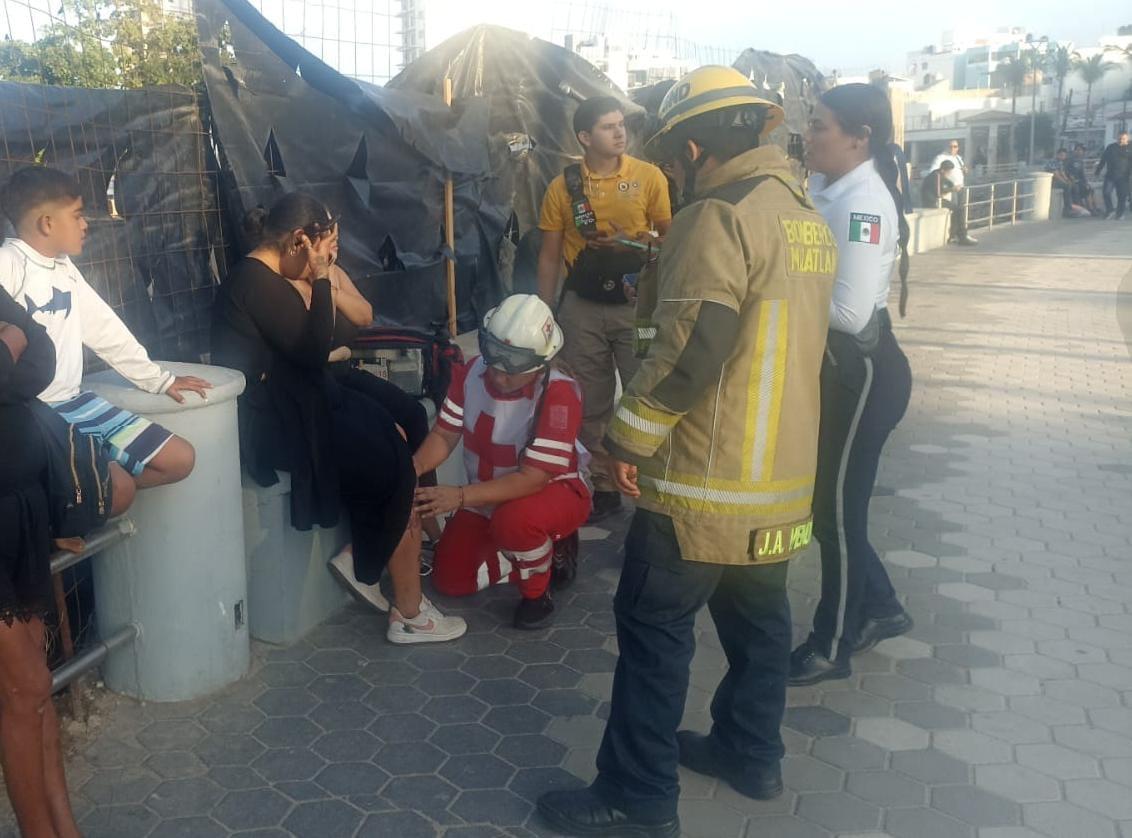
(75, 664)
(1000, 202)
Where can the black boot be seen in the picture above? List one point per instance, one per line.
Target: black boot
(534, 614)
(703, 755)
(809, 666)
(564, 567)
(605, 504)
(877, 629)
(584, 812)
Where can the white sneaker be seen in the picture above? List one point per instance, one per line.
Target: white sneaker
(342, 566)
(429, 626)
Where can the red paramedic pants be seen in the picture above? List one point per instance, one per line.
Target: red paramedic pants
(515, 545)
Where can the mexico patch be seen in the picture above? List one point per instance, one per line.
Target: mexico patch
(864, 228)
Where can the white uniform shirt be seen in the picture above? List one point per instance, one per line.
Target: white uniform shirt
(73, 314)
(859, 209)
(957, 175)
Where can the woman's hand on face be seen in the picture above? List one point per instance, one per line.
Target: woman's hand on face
(438, 500)
(318, 254)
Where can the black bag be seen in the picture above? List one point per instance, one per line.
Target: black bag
(596, 274)
(79, 491)
(417, 361)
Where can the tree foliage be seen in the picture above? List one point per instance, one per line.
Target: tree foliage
(129, 43)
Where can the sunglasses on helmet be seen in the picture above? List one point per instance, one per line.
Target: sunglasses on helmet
(513, 360)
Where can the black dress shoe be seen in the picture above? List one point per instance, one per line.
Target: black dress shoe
(564, 566)
(584, 812)
(809, 666)
(532, 614)
(704, 756)
(877, 629)
(605, 504)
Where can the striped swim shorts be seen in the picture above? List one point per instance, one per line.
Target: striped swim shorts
(126, 438)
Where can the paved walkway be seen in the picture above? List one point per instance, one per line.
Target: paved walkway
(1007, 713)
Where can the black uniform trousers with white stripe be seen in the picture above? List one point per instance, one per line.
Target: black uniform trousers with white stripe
(863, 397)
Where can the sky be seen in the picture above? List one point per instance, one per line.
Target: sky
(851, 37)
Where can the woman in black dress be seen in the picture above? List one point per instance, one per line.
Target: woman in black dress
(273, 320)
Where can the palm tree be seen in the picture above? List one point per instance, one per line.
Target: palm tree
(1061, 62)
(1013, 73)
(1036, 64)
(1092, 70)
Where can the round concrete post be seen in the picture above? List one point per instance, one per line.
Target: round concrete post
(1043, 195)
(182, 577)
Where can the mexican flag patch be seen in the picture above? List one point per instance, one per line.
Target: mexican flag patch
(864, 228)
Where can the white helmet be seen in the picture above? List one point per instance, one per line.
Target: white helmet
(520, 335)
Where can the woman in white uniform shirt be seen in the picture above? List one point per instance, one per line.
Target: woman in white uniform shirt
(865, 378)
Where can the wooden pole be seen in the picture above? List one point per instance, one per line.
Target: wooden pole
(450, 230)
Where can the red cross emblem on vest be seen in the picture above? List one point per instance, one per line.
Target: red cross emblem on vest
(491, 456)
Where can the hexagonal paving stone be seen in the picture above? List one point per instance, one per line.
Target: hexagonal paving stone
(107, 752)
(394, 698)
(281, 764)
(888, 789)
(174, 765)
(421, 758)
(336, 661)
(1099, 743)
(930, 715)
(1064, 820)
(400, 824)
(975, 806)
(339, 687)
(120, 785)
(232, 717)
(931, 766)
(498, 807)
(499, 692)
(252, 809)
(804, 773)
(170, 735)
(491, 666)
(967, 656)
(1048, 711)
(545, 676)
(932, 671)
(182, 798)
(972, 747)
(287, 733)
(386, 672)
(429, 795)
(286, 702)
(1057, 761)
(346, 746)
(431, 659)
(536, 651)
(924, 823)
(352, 778)
(511, 720)
(849, 753)
(816, 721)
(891, 734)
(445, 682)
(455, 709)
(323, 819)
(1100, 796)
(196, 827)
(530, 750)
(895, 687)
(286, 674)
(969, 698)
(838, 812)
(477, 771)
(402, 727)
(1010, 727)
(565, 703)
(344, 715)
(128, 821)
(465, 739)
(1016, 782)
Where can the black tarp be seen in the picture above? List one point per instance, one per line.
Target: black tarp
(158, 261)
(532, 89)
(794, 78)
(286, 121)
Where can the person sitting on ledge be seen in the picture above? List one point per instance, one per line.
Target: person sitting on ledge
(273, 320)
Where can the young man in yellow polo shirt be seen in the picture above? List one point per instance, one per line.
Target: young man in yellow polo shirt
(598, 220)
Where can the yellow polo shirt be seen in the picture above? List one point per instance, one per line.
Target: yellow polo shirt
(635, 198)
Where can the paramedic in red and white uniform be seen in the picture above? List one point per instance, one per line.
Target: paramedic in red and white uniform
(527, 473)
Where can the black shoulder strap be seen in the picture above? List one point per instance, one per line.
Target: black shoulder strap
(573, 176)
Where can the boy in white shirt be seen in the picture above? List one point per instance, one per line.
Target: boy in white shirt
(45, 207)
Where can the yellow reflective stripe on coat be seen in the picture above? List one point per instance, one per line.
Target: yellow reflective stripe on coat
(764, 390)
(729, 497)
(636, 422)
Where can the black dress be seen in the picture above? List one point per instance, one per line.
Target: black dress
(25, 539)
(340, 446)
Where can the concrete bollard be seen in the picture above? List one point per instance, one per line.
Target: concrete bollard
(1043, 196)
(182, 577)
